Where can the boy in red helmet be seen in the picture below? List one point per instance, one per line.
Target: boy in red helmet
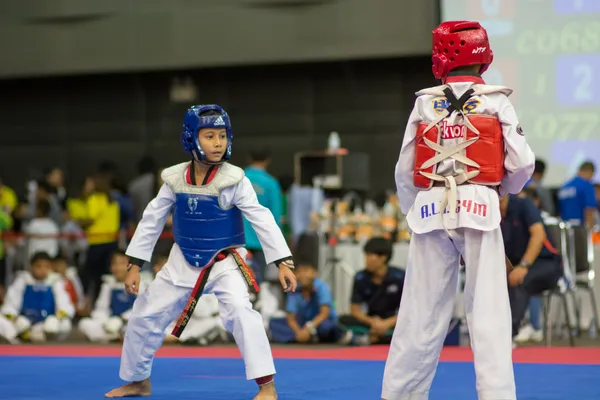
(462, 149)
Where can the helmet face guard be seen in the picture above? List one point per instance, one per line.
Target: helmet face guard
(193, 122)
(459, 44)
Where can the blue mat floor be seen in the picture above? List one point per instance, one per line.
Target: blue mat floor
(49, 378)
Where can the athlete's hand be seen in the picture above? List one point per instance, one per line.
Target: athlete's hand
(132, 281)
(287, 277)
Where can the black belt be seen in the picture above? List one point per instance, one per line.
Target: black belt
(187, 312)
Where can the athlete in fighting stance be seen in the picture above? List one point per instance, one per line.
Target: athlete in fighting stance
(208, 197)
(463, 147)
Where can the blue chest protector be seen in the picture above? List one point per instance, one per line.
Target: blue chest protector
(120, 302)
(202, 229)
(38, 303)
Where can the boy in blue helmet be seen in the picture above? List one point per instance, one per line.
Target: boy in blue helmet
(208, 197)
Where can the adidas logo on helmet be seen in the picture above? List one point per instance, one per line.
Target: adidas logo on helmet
(219, 122)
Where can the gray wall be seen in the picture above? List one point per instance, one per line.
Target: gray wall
(77, 122)
(50, 37)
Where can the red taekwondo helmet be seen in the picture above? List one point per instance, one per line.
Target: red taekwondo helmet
(458, 44)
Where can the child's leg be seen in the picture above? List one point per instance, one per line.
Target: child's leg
(242, 321)
(488, 314)
(7, 329)
(152, 312)
(423, 318)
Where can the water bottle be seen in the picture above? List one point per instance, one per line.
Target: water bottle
(333, 142)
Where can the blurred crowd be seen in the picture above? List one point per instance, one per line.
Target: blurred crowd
(62, 260)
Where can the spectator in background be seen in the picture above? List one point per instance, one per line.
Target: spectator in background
(376, 294)
(51, 188)
(597, 188)
(577, 198)
(547, 203)
(113, 306)
(144, 187)
(56, 179)
(304, 201)
(120, 194)
(45, 192)
(42, 232)
(37, 304)
(311, 317)
(70, 278)
(8, 198)
(6, 223)
(74, 244)
(285, 182)
(268, 193)
(102, 229)
(536, 260)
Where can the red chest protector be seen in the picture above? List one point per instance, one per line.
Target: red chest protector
(483, 157)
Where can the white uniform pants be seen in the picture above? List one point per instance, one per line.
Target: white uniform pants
(426, 309)
(163, 302)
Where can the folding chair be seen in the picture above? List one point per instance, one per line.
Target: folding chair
(559, 232)
(583, 261)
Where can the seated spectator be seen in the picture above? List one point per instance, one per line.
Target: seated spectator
(6, 223)
(205, 325)
(376, 294)
(536, 260)
(37, 304)
(70, 278)
(113, 306)
(43, 232)
(311, 317)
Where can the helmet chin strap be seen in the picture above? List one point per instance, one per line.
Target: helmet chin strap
(195, 157)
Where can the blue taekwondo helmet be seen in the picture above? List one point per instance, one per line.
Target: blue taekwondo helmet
(193, 122)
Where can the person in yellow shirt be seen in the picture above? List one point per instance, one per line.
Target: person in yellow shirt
(102, 229)
(8, 198)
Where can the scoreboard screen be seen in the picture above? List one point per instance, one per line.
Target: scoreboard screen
(548, 51)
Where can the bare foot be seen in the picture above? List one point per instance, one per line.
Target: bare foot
(267, 392)
(133, 389)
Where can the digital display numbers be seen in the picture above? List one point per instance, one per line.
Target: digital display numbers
(577, 81)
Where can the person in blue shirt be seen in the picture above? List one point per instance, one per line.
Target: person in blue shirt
(269, 196)
(577, 198)
(531, 250)
(311, 316)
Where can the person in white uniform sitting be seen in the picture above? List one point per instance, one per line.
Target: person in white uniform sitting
(36, 305)
(113, 306)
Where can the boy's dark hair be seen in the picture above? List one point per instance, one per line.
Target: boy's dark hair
(540, 167)
(40, 256)
(303, 260)
(588, 166)
(118, 253)
(60, 257)
(380, 246)
(210, 113)
(260, 155)
(43, 207)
